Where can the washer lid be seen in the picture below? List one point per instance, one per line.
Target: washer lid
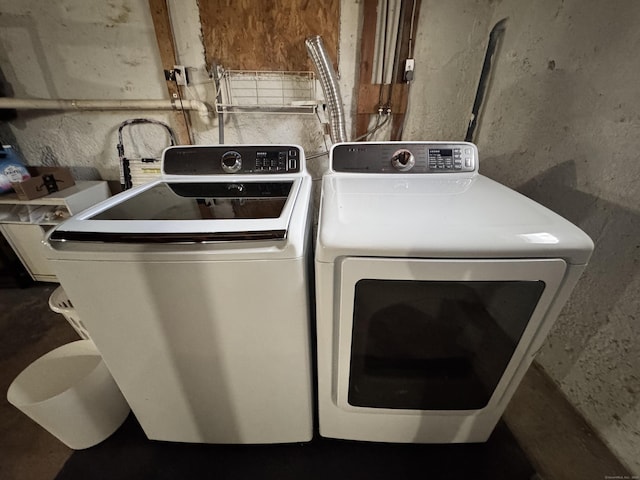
(439, 216)
(188, 212)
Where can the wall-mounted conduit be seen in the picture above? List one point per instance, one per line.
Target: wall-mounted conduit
(381, 90)
(485, 75)
(103, 105)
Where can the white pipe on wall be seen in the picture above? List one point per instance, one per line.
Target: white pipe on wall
(60, 104)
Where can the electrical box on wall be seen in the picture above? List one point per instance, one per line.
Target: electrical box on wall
(409, 66)
(180, 74)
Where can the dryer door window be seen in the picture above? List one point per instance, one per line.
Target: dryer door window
(435, 345)
(418, 334)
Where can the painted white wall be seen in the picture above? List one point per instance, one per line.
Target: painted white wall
(107, 50)
(74, 49)
(560, 124)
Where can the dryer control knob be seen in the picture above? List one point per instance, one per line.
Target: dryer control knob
(231, 162)
(403, 160)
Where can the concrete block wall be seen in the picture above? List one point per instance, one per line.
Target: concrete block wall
(561, 125)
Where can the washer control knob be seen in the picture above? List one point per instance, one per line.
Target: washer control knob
(403, 160)
(231, 162)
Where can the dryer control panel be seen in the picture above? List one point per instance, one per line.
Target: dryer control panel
(232, 159)
(405, 157)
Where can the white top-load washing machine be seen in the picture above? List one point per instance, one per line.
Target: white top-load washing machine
(435, 288)
(194, 288)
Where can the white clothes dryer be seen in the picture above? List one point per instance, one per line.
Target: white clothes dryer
(435, 288)
(194, 288)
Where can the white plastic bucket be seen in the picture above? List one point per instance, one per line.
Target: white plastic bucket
(70, 393)
(59, 302)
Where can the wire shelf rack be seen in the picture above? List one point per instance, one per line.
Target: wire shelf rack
(247, 91)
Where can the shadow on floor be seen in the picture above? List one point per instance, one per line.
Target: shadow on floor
(129, 455)
(28, 330)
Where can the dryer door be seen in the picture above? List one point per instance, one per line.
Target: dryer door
(421, 335)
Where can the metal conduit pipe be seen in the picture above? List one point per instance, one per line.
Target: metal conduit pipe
(60, 104)
(328, 80)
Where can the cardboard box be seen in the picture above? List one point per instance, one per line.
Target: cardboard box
(43, 181)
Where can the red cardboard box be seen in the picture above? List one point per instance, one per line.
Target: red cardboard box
(43, 181)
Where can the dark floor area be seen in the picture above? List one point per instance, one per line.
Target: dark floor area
(548, 437)
(128, 455)
(28, 330)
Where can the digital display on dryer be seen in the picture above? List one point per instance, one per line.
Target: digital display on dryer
(443, 159)
(441, 152)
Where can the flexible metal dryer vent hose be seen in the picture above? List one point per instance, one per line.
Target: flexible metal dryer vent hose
(329, 82)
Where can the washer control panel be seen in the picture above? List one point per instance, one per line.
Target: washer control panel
(409, 157)
(232, 159)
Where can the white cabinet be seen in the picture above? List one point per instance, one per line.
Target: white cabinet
(24, 223)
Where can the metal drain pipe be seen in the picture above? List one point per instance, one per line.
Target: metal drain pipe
(328, 80)
(60, 104)
(485, 75)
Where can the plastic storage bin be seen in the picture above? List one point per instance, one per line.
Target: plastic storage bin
(60, 303)
(70, 393)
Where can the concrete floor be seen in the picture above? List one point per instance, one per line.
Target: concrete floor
(28, 330)
(559, 443)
